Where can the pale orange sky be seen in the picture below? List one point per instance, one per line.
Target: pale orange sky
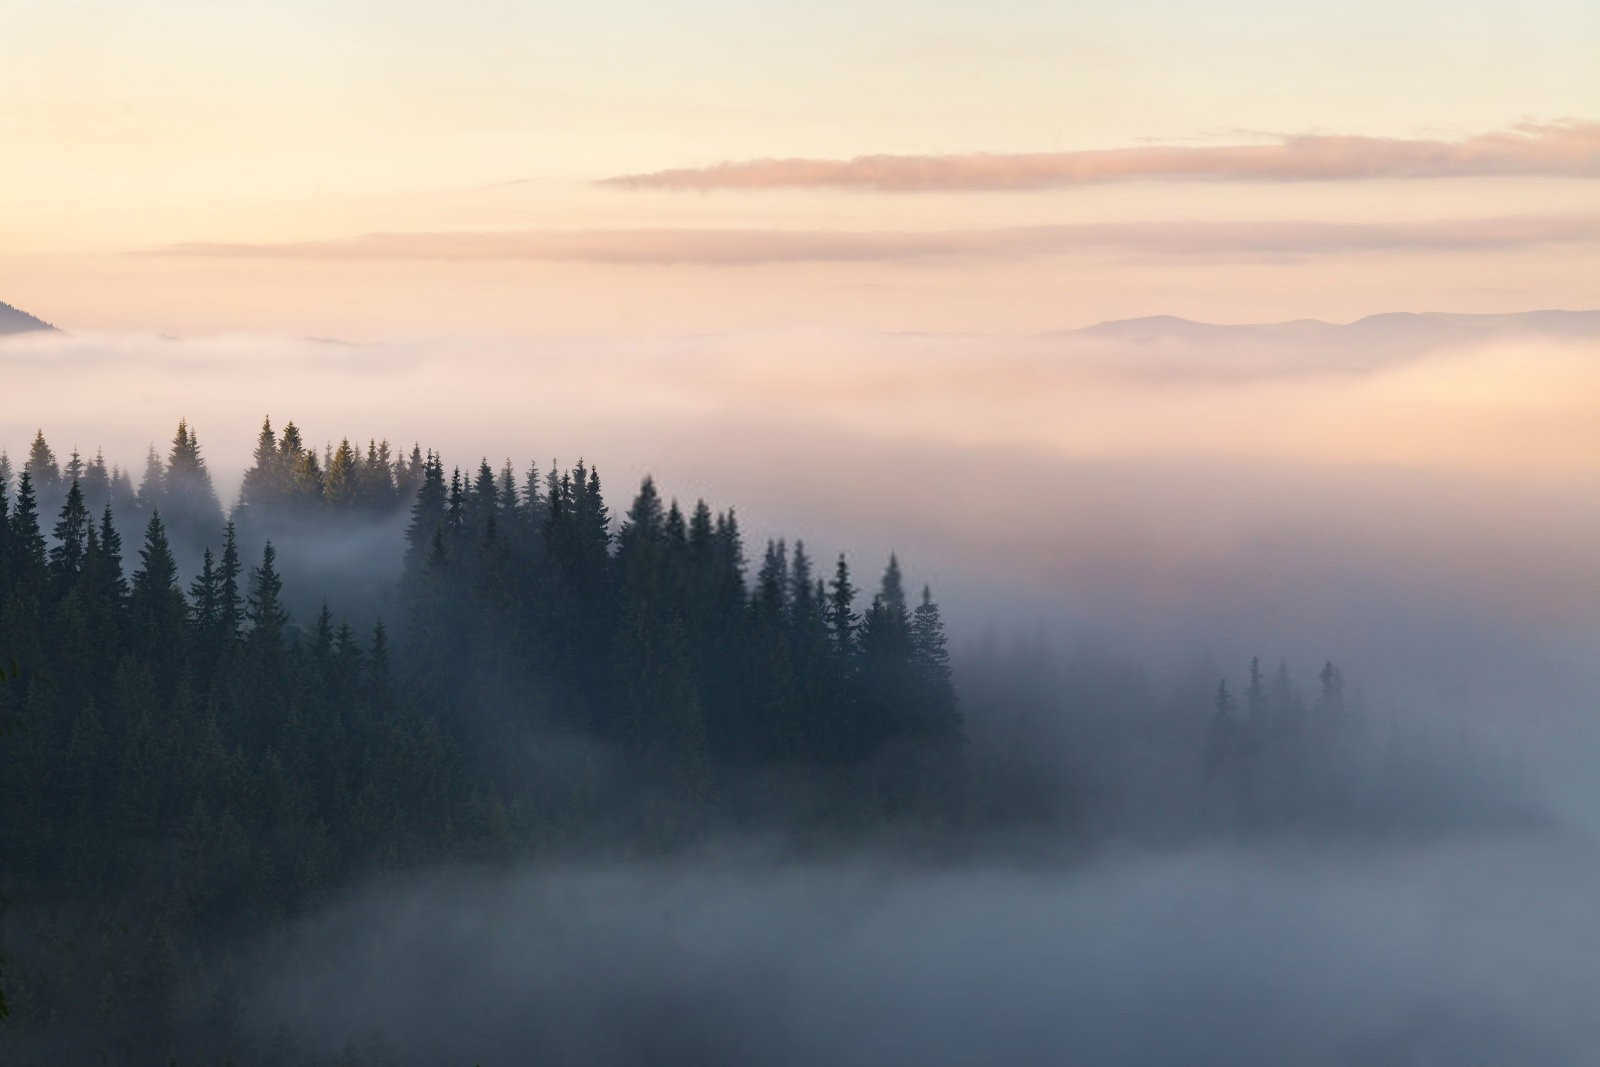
(128, 128)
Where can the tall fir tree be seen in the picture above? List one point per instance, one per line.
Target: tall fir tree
(71, 533)
(41, 466)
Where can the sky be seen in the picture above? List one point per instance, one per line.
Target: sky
(371, 171)
(847, 237)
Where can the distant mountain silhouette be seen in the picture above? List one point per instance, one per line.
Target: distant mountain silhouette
(1411, 326)
(14, 320)
(1166, 345)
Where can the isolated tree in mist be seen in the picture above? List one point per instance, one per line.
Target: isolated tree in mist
(1220, 734)
(96, 483)
(930, 658)
(263, 487)
(41, 466)
(152, 486)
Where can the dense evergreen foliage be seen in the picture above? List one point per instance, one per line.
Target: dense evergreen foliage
(188, 760)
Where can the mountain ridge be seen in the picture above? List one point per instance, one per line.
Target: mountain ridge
(15, 320)
(1545, 318)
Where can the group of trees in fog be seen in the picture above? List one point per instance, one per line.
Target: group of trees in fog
(187, 760)
(184, 759)
(651, 639)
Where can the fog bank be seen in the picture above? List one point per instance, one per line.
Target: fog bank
(1473, 952)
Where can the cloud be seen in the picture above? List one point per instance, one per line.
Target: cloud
(729, 247)
(1563, 149)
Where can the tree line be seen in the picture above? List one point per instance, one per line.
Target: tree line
(187, 760)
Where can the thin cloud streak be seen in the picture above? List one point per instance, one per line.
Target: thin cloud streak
(1560, 149)
(727, 247)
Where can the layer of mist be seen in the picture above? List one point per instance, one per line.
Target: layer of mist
(1113, 521)
(1472, 953)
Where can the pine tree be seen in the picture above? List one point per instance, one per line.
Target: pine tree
(123, 501)
(266, 612)
(341, 483)
(41, 466)
(1220, 740)
(113, 586)
(5, 535)
(1330, 702)
(156, 606)
(455, 515)
(377, 494)
(152, 487)
(263, 486)
(930, 656)
(96, 483)
(66, 557)
(157, 574)
(27, 541)
(644, 520)
(230, 604)
(427, 512)
(893, 589)
(803, 608)
(205, 596)
(842, 618)
(188, 499)
(533, 502)
(772, 582)
(506, 498)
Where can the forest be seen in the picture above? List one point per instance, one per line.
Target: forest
(191, 759)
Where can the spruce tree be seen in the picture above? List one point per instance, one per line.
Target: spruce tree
(230, 602)
(156, 607)
(205, 604)
(5, 535)
(772, 582)
(41, 466)
(266, 612)
(96, 483)
(931, 658)
(27, 541)
(113, 586)
(342, 480)
(71, 529)
(842, 617)
(262, 489)
(152, 487)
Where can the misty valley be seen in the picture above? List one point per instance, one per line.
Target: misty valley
(395, 762)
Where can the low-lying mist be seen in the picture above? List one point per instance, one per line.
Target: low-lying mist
(1106, 529)
(1422, 512)
(1472, 952)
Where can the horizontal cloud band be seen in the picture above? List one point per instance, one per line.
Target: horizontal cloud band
(1567, 149)
(752, 246)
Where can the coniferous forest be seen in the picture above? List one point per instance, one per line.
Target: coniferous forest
(195, 750)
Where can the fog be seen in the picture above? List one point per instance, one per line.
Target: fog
(1423, 513)
(1416, 500)
(1470, 953)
